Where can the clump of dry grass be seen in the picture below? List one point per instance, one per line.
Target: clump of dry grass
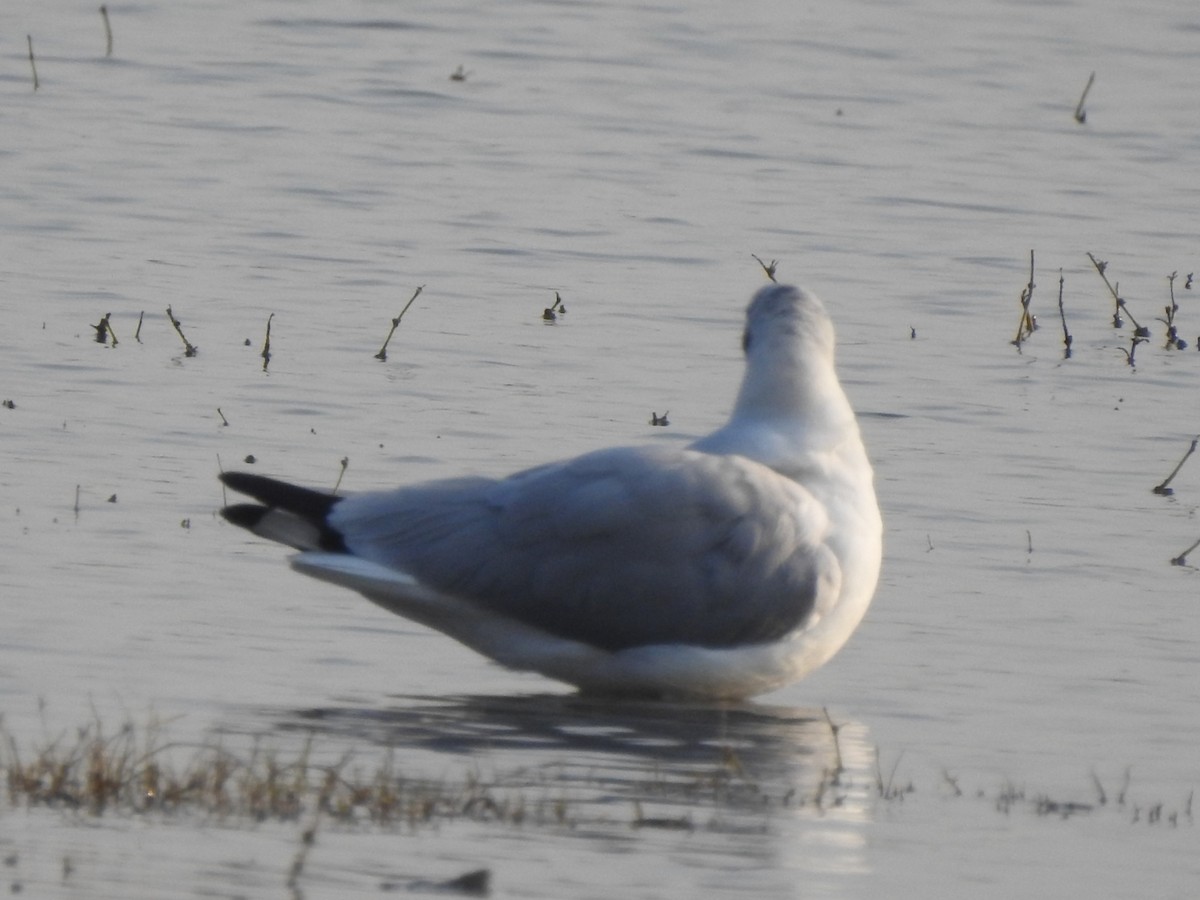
(135, 772)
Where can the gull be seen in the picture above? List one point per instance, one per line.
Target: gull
(722, 570)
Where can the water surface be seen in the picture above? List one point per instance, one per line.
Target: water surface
(317, 162)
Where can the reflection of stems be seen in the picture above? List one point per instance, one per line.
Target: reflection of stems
(837, 750)
(1162, 488)
(1080, 113)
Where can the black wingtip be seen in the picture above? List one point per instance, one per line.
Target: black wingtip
(244, 515)
(304, 527)
(304, 502)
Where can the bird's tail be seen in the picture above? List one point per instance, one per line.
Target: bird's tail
(286, 513)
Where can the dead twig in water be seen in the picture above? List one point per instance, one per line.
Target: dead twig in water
(1168, 491)
(769, 269)
(342, 473)
(266, 350)
(104, 330)
(107, 31)
(1181, 559)
(32, 64)
(189, 349)
(1028, 324)
(1138, 329)
(382, 354)
(1080, 112)
(1173, 339)
(551, 313)
(1067, 339)
(1129, 354)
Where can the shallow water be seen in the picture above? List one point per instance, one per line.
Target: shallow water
(317, 162)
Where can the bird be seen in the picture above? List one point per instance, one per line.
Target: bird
(717, 571)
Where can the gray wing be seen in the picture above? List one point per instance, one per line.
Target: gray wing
(617, 549)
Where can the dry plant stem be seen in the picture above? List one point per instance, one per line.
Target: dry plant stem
(1080, 113)
(107, 31)
(1169, 321)
(189, 349)
(32, 64)
(266, 350)
(769, 269)
(1162, 488)
(1101, 265)
(382, 354)
(1181, 559)
(342, 473)
(1067, 339)
(137, 335)
(1027, 325)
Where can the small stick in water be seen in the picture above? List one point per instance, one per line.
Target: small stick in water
(769, 269)
(1181, 559)
(382, 354)
(189, 349)
(32, 64)
(1162, 488)
(1028, 323)
(1067, 339)
(1134, 341)
(107, 31)
(1080, 112)
(224, 422)
(266, 350)
(341, 474)
(1173, 339)
(551, 313)
(137, 335)
(104, 330)
(1138, 329)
